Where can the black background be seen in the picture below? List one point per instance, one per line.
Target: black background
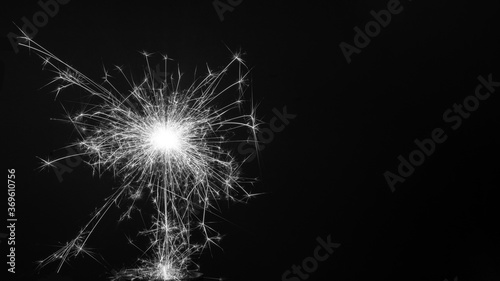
(322, 175)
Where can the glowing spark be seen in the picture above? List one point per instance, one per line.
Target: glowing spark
(165, 138)
(170, 144)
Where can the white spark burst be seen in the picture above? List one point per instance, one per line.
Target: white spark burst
(168, 143)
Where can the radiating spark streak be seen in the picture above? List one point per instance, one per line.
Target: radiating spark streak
(168, 143)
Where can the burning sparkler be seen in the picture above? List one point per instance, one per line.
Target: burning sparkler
(168, 143)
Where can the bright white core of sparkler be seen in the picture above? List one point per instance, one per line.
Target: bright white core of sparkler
(165, 138)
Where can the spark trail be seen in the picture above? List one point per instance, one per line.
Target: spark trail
(169, 145)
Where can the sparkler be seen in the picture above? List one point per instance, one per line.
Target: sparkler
(165, 144)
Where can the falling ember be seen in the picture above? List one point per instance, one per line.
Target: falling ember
(170, 143)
